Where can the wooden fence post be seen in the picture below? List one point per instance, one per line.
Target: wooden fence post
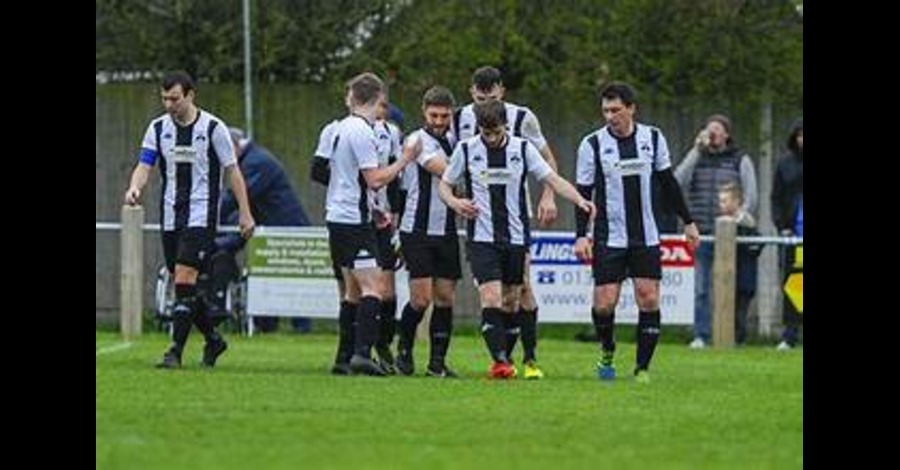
(723, 285)
(131, 279)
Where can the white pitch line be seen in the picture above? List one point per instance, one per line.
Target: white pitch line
(114, 348)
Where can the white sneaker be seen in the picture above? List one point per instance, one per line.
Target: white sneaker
(784, 346)
(697, 343)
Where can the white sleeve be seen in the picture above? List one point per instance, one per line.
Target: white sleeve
(430, 149)
(531, 130)
(326, 140)
(537, 166)
(149, 141)
(221, 142)
(456, 167)
(585, 165)
(396, 141)
(663, 159)
(364, 145)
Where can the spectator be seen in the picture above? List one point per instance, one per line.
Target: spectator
(787, 214)
(714, 160)
(273, 203)
(730, 200)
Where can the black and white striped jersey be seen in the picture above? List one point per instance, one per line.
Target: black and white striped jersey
(495, 181)
(389, 137)
(326, 140)
(620, 170)
(191, 159)
(520, 122)
(425, 213)
(354, 148)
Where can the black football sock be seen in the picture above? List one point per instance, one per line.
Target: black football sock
(387, 323)
(528, 326)
(511, 331)
(493, 332)
(648, 335)
(346, 332)
(439, 330)
(604, 323)
(182, 312)
(409, 321)
(366, 325)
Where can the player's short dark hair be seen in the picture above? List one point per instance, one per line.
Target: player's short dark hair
(486, 77)
(438, 96)
(490, 114)
(179, 77)
(365, 88)
(619, 90)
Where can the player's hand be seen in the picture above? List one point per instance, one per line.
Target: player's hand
(382, 219)
(412, 148)
(588, 207)
(702, 139)
(547, 212)
(247, 224)
(692, 235)
(398, 250)
(465, 208)
(584, 249)
(132, 196)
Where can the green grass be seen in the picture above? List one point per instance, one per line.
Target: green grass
(270, 403)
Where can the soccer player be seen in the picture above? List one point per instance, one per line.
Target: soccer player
(487, 85)
(349, 216)
(321, 173)
(386, 200)
(493, 166)
(192, 148)
(615, 165)
(428, 239)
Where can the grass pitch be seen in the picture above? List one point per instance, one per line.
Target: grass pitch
(271, 403)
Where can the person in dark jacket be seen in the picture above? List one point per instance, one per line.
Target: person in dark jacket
(273, 203)
(730, 200)
(787, 215)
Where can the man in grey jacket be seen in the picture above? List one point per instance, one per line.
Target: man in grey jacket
(713, 161)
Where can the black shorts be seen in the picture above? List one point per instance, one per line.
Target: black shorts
(615, 264)
(336, 269)
(387, 256)
(492, 262)
(352, 246)
(190, 246)
(436, 257)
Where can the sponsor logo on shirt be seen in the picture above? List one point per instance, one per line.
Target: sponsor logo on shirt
(632, 166)
(184, 154)
(496, 176)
